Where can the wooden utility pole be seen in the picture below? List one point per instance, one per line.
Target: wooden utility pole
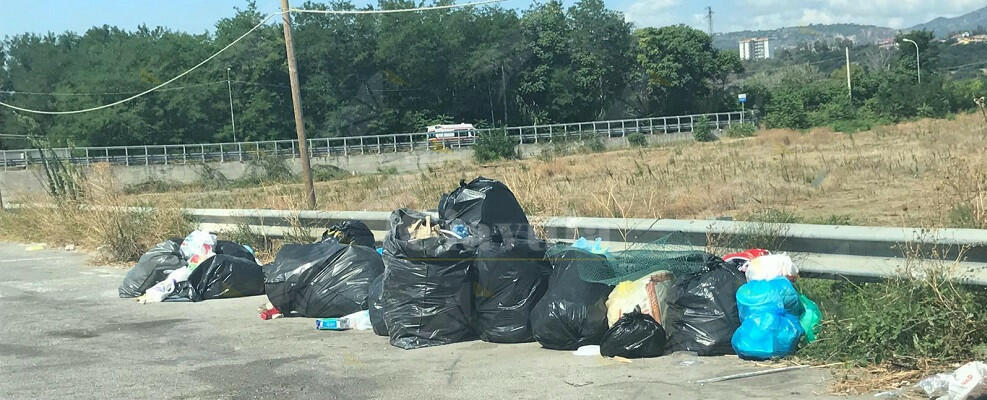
(296, 101)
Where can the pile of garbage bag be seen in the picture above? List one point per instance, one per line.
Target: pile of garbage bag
(476, 270)
(196, 268)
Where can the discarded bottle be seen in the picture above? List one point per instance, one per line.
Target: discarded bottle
(332, 324)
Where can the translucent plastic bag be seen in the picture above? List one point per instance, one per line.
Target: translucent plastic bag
(768, 296)
(768, 267)
(197, 247)
(810, 318)
(766, 335)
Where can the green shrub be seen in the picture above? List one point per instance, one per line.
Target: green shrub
(741, 130)
(637, 139)
(702, 131)
(592, 143)
(901, 322)
(494, 145)
(322, 173)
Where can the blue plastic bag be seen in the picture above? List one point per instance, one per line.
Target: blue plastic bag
(776, 295)
(766, 335)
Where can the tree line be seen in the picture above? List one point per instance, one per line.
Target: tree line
(392, 73)
(360, 74)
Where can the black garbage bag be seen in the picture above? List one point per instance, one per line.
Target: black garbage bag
(233, 249)
(702, 309)
(321, 280)
(428, 297)
(153, 267)
(222, 276)
(351, 232)
(634, 335)
(488, 207)
(573, 312)
(510, 279)
(376, 306)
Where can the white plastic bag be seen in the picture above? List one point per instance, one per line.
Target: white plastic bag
(359, 320)
(967, 382)
(163, 289)
(197, 247)
(768, 267)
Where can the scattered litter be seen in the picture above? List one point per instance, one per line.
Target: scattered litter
(197, 247)
(35, 247)
(588, 350)
(768, 267)
(359, 320)
(621, 359)
(267, 311)
(750, 374)
(967, 382)
(595, 248)
(744, 257)
(69, 247)
(350, 232)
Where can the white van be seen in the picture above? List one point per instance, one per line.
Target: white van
(442, 133)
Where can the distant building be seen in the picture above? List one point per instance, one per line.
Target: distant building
(887, 44)
(972, 39)
(755, 49)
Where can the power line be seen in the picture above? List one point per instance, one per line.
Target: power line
(18, 92)
(235, 41)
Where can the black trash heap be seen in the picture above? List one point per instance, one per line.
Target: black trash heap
(475, 269)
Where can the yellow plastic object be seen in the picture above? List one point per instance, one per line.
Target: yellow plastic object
(647, 293)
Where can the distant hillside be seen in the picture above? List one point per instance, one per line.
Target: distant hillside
(966, 22)
(790, 37)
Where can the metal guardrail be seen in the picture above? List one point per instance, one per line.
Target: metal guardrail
(359, 145)
(854, 252)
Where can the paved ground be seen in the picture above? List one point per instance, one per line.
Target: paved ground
(65, 334)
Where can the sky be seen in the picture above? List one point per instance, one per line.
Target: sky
(41, 16)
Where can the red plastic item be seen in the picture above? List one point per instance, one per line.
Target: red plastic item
(746, 256)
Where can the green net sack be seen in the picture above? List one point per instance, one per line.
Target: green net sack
(640, 260)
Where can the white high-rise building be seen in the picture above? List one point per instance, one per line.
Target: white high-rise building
(755, 49)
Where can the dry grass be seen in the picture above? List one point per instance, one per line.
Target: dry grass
(94, 220)
(911, 173)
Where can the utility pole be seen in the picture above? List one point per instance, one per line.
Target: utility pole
(296, 101)
(918, 62)
(503, 89)
(229, 87)
(709, 19)
(848, 86)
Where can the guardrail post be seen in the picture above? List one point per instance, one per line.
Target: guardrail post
(202, 152)
(88, 161)
(717, 121)
(378, 145)
(362, 150)
(184, 155)
(222, 154)
(394, 140)
(126, 156)
(346, 152)
(276, 148)
(165, 148)
(692, 125)
(239, 150)
(609, 131)
(4, 163)
(293, 149)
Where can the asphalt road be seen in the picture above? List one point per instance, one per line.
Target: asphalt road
(64, 334)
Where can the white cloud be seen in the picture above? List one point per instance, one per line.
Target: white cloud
(654, 12)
